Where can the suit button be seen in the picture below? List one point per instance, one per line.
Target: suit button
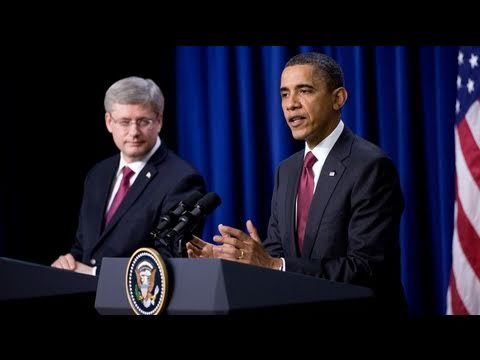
(93, 261)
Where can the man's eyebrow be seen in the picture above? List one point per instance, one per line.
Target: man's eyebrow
(299, 86)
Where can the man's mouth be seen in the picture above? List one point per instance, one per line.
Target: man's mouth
(296, 120)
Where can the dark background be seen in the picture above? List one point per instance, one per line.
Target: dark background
(53, 132)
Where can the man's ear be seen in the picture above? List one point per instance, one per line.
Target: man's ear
(108, 122)
(340, 96)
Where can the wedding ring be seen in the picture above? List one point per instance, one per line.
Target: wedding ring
(242, 254)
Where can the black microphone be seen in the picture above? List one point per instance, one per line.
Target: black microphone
(171, 217)
(191, 219)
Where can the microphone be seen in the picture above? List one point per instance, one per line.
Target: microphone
(191, 219)
(171, 217)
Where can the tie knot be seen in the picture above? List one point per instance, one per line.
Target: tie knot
(309, 160)
(127, 173)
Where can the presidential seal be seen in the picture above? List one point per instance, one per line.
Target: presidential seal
(146, 282)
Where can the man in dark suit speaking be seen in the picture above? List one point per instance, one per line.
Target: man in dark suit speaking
(336, 205)
(125, 194)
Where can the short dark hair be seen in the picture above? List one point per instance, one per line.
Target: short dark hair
(326, 66)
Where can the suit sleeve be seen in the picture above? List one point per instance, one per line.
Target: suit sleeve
(273, 243)
(77, 248)
(371, 251)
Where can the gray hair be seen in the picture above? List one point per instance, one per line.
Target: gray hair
(134, 90)
(325, 65)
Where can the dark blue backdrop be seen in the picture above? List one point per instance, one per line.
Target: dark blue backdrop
(231, 127)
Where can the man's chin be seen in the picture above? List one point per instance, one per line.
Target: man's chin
(298, 136)
(135, 153)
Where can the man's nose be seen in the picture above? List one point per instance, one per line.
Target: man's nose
(133, 128)
(293, 103)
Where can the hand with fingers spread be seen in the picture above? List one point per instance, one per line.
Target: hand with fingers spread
(197, 248)
(68, 262)
(238, 246)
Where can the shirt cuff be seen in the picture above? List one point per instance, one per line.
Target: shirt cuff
(282, 268)
(94, 271)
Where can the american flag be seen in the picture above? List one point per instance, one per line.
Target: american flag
(463, 296)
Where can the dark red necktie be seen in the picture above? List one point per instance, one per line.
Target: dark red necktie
(121, 192)
(304, 196)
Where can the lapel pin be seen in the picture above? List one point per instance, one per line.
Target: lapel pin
(331, 173)
(149, 175)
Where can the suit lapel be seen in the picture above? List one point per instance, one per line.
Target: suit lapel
(147, 174)
(323, 192)
(330, 175)
(290, 203)
(103, 187)
(134, 192)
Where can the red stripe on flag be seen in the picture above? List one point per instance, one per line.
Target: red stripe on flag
(470, 149)
(458, 307)
(469, 239)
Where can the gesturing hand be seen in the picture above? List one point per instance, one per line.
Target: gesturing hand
(238, 246)
(197, 248)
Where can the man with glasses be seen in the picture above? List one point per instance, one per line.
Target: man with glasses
(125, 195)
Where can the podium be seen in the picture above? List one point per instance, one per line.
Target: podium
(214, 286)
(29, 288)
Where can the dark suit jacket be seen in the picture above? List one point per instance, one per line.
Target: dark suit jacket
(352, 232)
(165, 180)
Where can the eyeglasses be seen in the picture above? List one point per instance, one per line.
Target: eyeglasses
(141, 123)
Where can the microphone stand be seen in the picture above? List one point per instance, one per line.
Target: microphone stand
(178, 243)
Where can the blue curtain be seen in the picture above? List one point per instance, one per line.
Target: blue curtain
(231, 127)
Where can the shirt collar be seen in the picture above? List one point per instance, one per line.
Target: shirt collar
(326, 144)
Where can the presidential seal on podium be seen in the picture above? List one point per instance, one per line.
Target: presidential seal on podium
(146, 282)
